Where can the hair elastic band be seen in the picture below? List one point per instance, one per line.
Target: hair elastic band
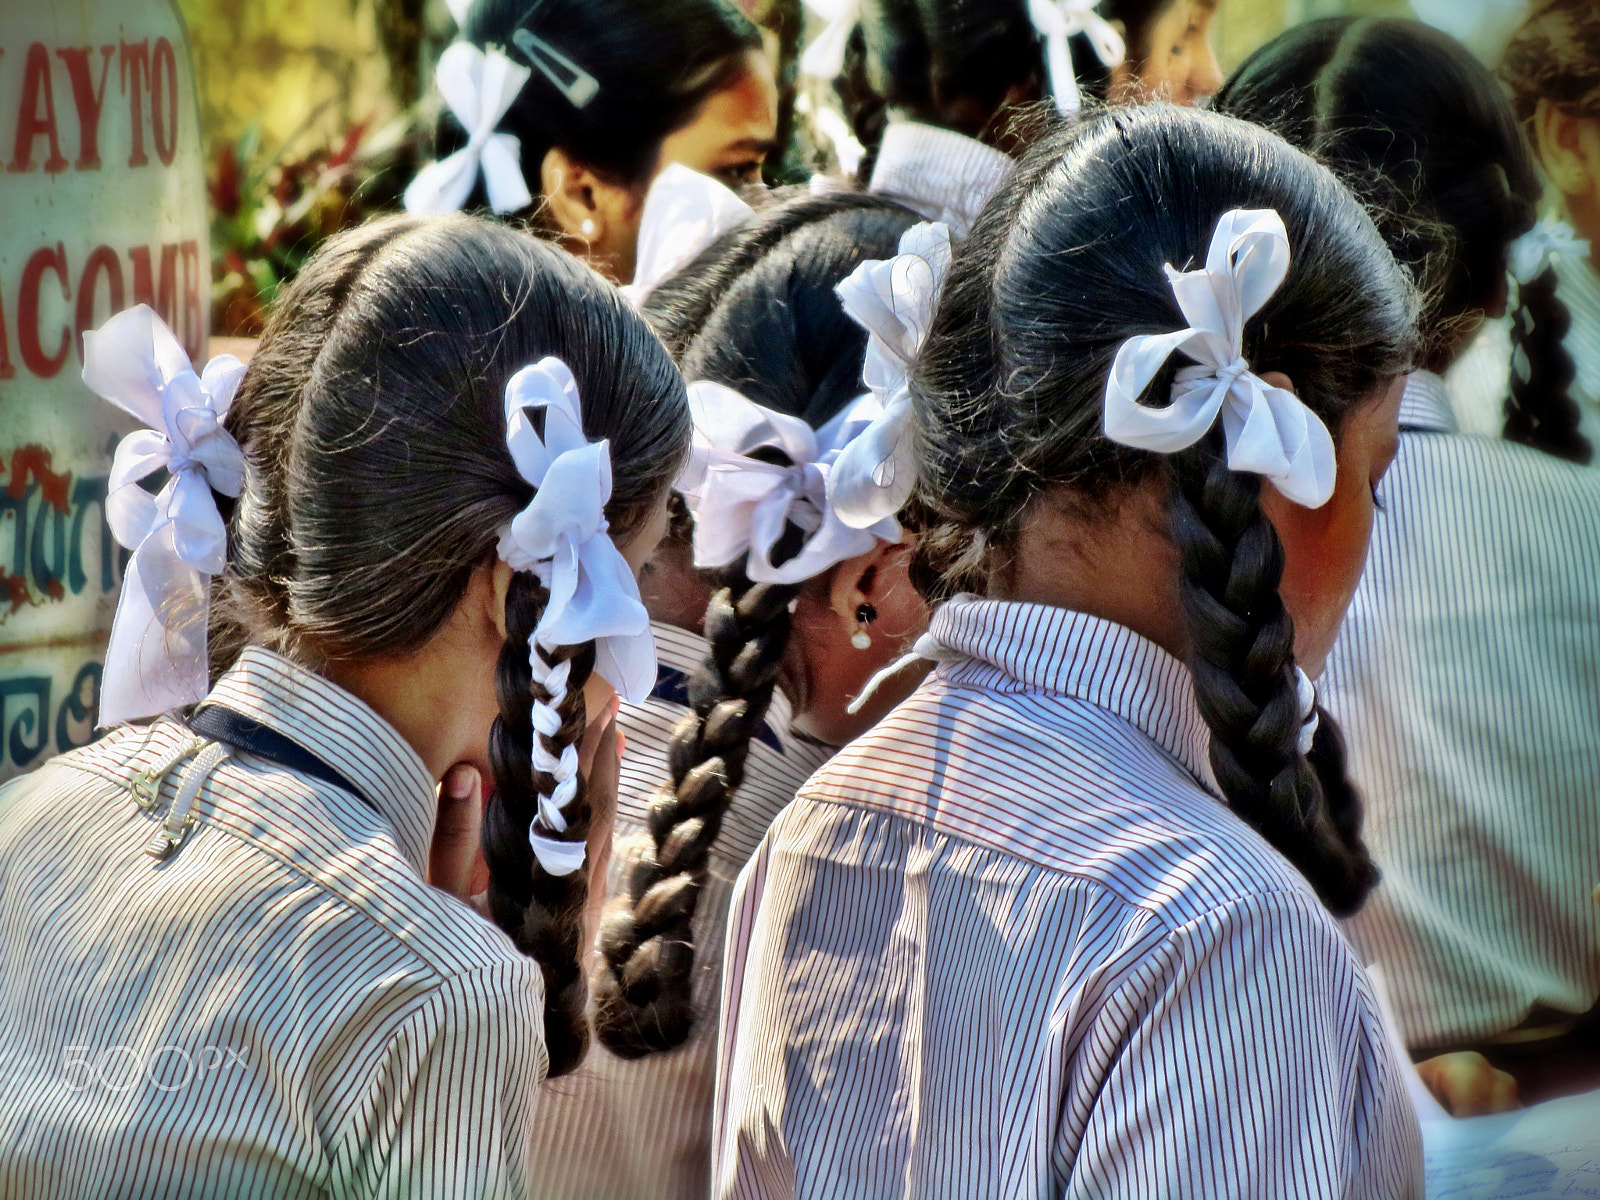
(561, 537)
(156, 660)
(1269, 431)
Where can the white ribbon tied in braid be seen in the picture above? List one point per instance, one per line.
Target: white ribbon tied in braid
(824, 57)
(1269, 432)
(1306, 695)
(562, 538)
(742, 502)
(479, 87)
(156, 660)
(894, 300)
(684, 212)
(1540, 247)
(1056, 22)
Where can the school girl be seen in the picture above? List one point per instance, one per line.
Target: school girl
(223, 970)
(939, 94)
(1061, 924)
(572, 107)
(1553, 67)
(754, 691)
(1468, 675)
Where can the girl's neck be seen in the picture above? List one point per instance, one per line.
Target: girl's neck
(1114, 561)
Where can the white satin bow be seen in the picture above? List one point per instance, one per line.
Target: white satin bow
(894, 300)
(1542, 245)
(742, 504)
(156, 660)
(561, 536)
(684, 212)
(479, 87)
(824, 57)
(1269, 431)
(1056, 21)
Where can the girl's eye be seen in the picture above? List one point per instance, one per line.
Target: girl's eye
(737, 174)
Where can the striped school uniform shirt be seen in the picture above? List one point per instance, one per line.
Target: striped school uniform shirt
(1467, 681)
(1012, 943)
(283, 1007)
(938, 173)
(641, 1130)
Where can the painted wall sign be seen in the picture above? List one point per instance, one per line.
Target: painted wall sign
(102, 191)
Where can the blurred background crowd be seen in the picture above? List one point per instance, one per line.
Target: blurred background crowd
(316, 114)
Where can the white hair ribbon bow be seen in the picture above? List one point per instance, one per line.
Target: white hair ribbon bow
(824, 57)
(1269, 431)
(684, 212)
(156, 660)
(593, 597)
(894, 300)
(1541, 246)
(1056, 21)
(479, 87)
(742, 504)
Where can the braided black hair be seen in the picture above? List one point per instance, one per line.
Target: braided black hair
(757, 313)
(1063, 267)
(372, 416)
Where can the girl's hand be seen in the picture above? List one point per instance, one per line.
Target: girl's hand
(455, 859)
(1467, 1085)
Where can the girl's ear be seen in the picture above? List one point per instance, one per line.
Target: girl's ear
(1278, 379)
(569, 194)
(864, 579)
(599, 219)
(499, 584)
(1568, 147)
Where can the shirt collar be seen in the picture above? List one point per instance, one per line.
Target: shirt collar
(684, 651)
(344, 732)
(942, 175)
(1005, 646)
(1425, 405)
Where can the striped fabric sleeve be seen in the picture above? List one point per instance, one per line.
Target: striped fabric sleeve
(1241, 1073)
(450, 1106)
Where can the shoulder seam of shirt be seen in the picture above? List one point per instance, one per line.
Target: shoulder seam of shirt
(1156, 912)
(415, 952)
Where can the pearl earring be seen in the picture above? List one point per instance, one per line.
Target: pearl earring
(865, 615)
(588, 228)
